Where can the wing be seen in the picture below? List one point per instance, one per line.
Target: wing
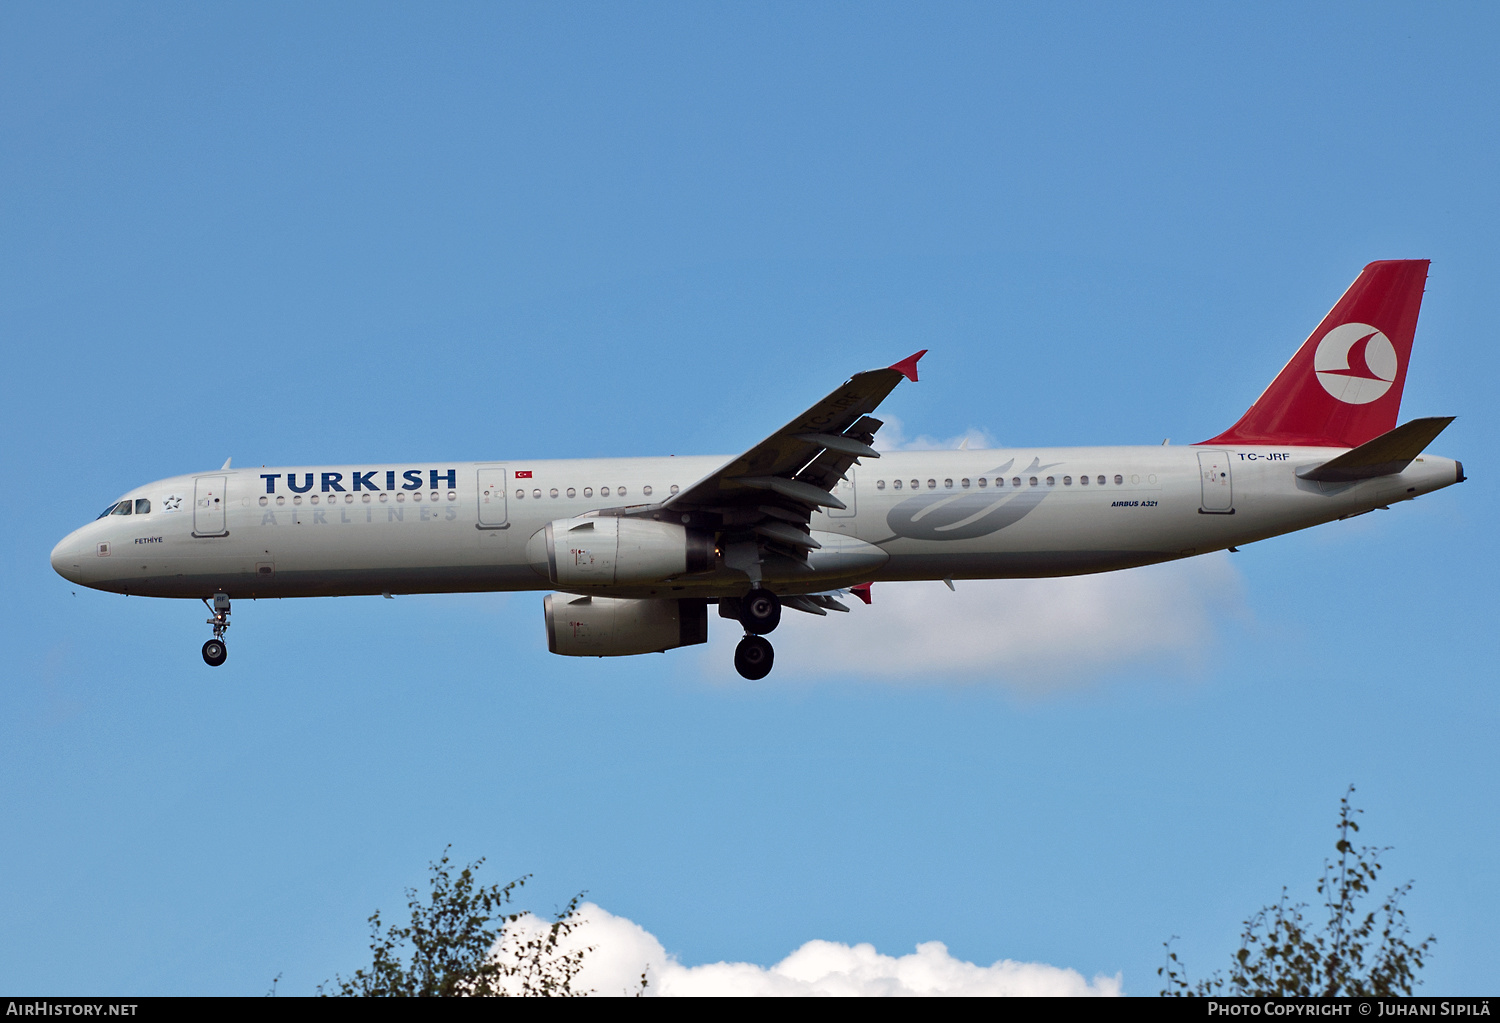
(768, 494)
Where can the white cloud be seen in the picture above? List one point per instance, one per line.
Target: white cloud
(623, 950)
(892, 437)
(1026, 633)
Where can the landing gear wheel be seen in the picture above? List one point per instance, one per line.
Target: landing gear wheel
(760, 612)
(753, 657)
(215, 653)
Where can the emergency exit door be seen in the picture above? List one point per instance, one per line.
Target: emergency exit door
(1218, 484)
(844, 491)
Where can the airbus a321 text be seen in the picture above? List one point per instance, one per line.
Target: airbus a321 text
(639, 549)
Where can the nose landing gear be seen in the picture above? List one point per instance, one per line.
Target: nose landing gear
(214, 651)
(760, 612)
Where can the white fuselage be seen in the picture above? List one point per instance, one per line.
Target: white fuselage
(447, 527)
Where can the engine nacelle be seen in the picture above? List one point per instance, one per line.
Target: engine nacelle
(608, 550)
(612, 627)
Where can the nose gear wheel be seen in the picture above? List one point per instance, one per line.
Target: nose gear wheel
(215, 653)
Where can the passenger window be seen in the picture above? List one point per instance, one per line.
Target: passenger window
(537, 494)
(947, 484)
(619, 491)
(894, 483)
(520, 495)
(673, 489)
(1015, 481)
(123, 508)
(1119, 480)
(880, 484)
(932, 484)
(982, 482)
(1100, 481)
(916, 484)
(142, 506)
(552, 492)
(603, 491)
(1051, 481)
(646, 491)
(964, 484)
(572, 492)
(1067, 481)
(1083, 481)
(1033, 481)
(588, 491)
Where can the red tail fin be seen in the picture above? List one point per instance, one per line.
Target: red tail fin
(1343, 387)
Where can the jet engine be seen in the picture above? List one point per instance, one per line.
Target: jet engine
(608, 550)
(612, 627)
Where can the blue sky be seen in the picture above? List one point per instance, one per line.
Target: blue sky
(349, 233)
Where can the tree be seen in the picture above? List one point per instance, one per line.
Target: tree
(1281, 955)
(462, 942)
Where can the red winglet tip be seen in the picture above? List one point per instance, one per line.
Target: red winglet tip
(907, 367)
(862, 591)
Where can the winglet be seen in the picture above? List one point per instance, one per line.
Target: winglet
(226, 463)
(862, 591)
(907, 367)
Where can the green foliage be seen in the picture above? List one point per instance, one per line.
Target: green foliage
(460, 941)
(1281, 955)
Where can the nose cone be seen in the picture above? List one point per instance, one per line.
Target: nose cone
(66, 559)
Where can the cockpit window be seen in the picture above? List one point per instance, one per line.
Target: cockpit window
(142, 506)
(123, 508)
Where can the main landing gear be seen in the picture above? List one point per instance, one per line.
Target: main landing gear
(753, 657)
(760, 612)
(214, 651)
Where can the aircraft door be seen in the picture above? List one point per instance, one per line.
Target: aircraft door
(493, 508)
(844, 492)
(209, 505)
(1218, 484)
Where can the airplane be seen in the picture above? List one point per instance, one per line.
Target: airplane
(638, 549)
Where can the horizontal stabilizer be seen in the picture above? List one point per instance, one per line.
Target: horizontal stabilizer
(1386, 455)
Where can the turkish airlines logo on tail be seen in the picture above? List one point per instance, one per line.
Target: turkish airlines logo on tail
(1355, 363)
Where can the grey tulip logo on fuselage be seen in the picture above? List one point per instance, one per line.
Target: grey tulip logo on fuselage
(970, 513)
